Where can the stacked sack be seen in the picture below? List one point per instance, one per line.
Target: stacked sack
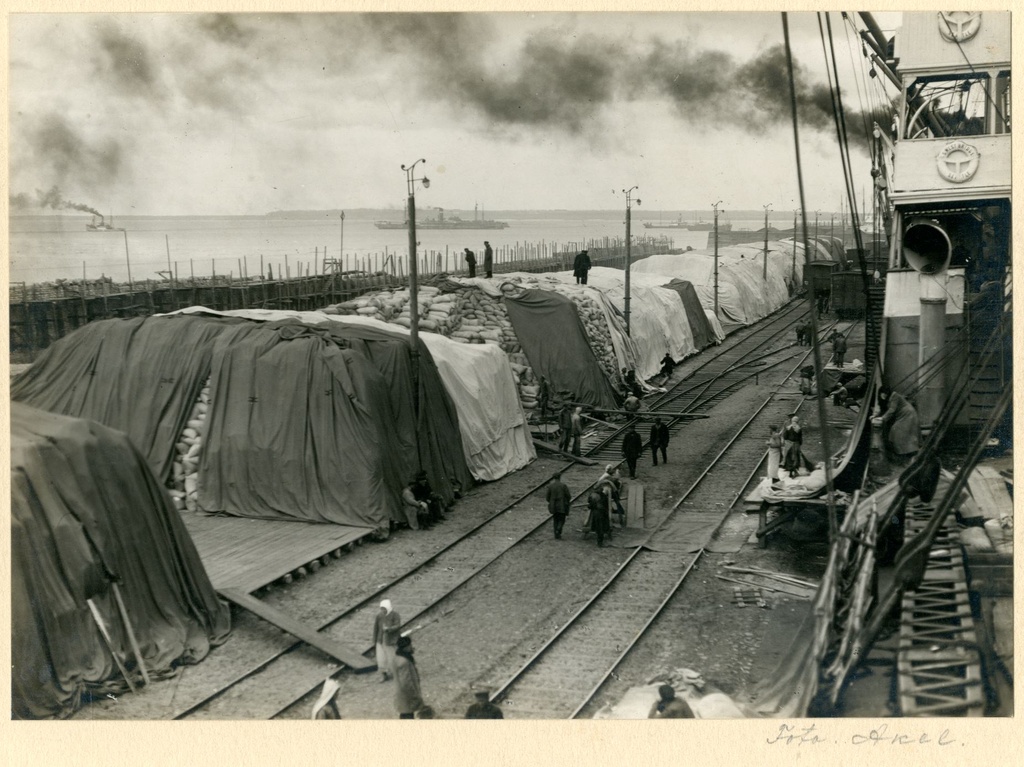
(187, 451)
(595, 322)
(435, 308)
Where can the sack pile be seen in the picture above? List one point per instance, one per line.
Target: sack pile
(187, 452)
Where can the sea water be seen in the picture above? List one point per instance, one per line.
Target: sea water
(52, 247)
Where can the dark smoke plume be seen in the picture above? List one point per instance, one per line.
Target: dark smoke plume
(128, 61)
(19, 201)
(60, 147)
(53, 199)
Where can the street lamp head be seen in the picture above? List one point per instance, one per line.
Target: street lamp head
(638, 202)
(426, 182)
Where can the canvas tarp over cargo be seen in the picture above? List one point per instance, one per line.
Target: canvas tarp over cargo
(700, 326)
(555, 342)
(139, 376)
(477, 377)
(351, 464)
(85, 508)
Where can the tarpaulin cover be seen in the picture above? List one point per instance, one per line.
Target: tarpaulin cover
(298, 428)
(744, 293)
(139, 376)
(700, 327)
(85, 508)
(657, 319)
(555, 342)
(477, 378)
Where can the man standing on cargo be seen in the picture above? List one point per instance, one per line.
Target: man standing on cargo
(659, 440)
(838, 347)
(632, 447)
(471, 262)
(564, 428)
(488, 259)
(580, 267)
(577, 430)
(558, 498)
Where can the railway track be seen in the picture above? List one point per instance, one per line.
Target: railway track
(565, 674)
(271, 686)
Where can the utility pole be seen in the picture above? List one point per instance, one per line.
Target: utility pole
(766, 209)
(629, 200)
(715, 207)
(795, 286)
(414, 306)
(341, 244)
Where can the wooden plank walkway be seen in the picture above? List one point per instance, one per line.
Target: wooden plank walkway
(347, 655)
(247, 554)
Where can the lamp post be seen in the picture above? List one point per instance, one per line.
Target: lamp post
(715, 207)
(414, 307)
(766, 209)
(341, 244)
(629, 200)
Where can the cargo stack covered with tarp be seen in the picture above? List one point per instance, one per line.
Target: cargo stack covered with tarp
(478, 378)
(87, 513)
(298, 422)
(474, 311)
(747, 289)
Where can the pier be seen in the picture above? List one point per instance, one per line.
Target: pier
(41, 313)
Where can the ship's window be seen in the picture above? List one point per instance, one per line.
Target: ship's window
(949, 107)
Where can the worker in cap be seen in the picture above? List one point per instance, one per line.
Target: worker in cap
(669, 706)
(483, 708)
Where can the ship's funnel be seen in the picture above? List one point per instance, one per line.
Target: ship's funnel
(926, 246)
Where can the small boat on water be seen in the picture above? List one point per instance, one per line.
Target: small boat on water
(451, 222)
(102, 225)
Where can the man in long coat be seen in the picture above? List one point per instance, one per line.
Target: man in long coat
(471, 262)
(632, 447)
(577, 430)
(580, 267)
(558, 498)
(488, 259)
(386, 626)
(408, 697)
(599, 502)
(659, 440)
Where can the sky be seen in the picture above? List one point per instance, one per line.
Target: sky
(242, 114)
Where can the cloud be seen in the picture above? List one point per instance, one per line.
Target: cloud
(126, 61)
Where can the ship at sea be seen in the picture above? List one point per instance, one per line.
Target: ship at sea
(691, 226)
(451, 222)
(102, 225)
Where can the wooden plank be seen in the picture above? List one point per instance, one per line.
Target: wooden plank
(997, 487)
(350, 657)
(567, 456)
(635, 508)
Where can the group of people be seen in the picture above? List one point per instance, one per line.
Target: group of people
(785, 450)
(603, 500)
(488, 260)
(396, 662)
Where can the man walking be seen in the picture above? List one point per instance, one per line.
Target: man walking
(564, 428)
(558, 498)
(471, 262)
(543, 398)
(577, 430)
(488, 259)
(580, 267)
(600, 522)
(632, 447)
(659, 440)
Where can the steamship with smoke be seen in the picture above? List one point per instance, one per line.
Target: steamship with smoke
(451, 222)
(690, 226)
(102, 225)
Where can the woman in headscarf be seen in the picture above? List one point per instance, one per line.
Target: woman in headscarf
(408, 698)
(386, 626)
